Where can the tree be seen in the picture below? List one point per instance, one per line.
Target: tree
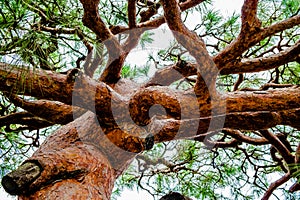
(64, 63)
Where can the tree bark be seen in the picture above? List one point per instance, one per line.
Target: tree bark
(76, 162)
(113, 123)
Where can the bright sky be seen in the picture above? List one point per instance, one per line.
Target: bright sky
(227, 7)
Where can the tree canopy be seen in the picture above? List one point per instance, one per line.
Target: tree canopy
(213, 111)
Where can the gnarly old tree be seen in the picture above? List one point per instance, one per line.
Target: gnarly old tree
(226, 91)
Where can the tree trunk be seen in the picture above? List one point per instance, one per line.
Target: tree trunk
(77, 162)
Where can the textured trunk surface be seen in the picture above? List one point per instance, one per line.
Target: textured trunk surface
(77, 162)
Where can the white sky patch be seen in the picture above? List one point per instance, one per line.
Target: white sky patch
(161, 40)
(135, 195)
(228, 7)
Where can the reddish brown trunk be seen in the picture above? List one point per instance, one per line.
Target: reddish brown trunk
(77, 162)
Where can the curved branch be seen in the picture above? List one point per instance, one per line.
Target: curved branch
(92, 20)
(189, 4)
(279, 27)
(172, 73)
(248, 38)
(97, 97)
(111, 73)
(135, 33)
(263, 63)
(206, 70)
(161, 20)
(243, 138)
(281, 148)
(275, 185)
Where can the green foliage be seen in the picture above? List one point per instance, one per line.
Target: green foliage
(114, 12)
(295, 168)
(12, 150)
(146, 38)
(135, 72)
(290, 73)
(211, 19)
(290, 6)
(24, 40)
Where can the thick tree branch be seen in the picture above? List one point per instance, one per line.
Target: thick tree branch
(279, 27)
(85, 93)
(248, 38)
(91, 94)
(97, 97)
(206, 69)
(263, 63)
(263, 100)
(92, 20)
(249, 18)
(52, 111)
(131, 10)
(170, 129)
(24, 118)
